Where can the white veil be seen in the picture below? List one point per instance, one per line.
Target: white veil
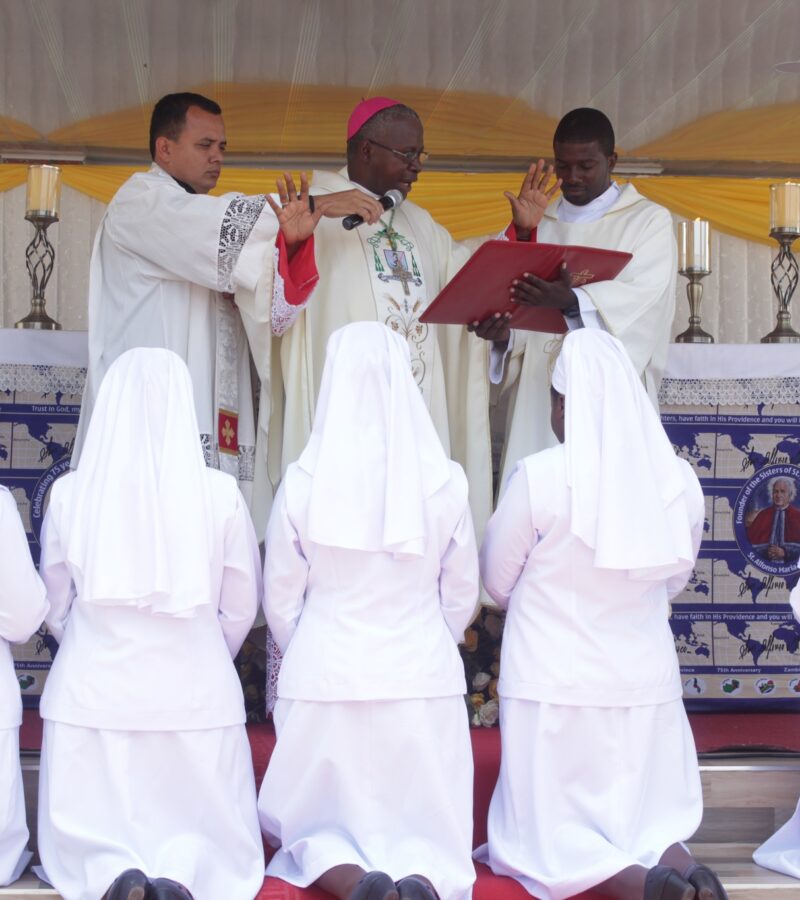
(374, 454)
(627, 489)
(141, 530)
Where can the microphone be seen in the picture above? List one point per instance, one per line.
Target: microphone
(389, 200)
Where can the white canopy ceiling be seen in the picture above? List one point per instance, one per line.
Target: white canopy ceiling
(651, 65)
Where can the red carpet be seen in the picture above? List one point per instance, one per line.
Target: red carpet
(487, 887)
(754, 732)
(746, 732)
(713, 732)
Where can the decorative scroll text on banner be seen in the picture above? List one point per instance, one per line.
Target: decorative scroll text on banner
(734, 631)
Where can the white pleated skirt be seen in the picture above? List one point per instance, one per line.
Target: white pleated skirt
(781, 852)
(383, 785)
(585, 792)
(14, 855)
(179, 805)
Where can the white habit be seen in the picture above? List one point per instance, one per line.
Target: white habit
(637, 307)
(153, 581)
(367, 593)
(781, 852)
(599, 770)
(363, 279)
(161, 260)
(22, 609)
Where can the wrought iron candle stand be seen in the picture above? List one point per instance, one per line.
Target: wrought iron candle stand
(39, 259)
(694, 254)
(784, 281)
(41, 210)
(694, 334)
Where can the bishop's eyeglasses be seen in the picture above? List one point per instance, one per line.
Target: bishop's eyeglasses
(408, 156)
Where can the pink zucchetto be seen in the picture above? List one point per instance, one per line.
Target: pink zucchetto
(365, 110)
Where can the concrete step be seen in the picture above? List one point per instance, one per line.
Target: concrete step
(28, 886)
(746, 798)
(745, 880)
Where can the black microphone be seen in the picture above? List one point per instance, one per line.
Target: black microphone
(389, 200)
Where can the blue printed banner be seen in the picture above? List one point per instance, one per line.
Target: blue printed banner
(39, 408)
(734, 630)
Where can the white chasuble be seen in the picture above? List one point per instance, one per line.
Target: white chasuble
(364, 278)
(637, 307)
(400, 296)
(164, 266)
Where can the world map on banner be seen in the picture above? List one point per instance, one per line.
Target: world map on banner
(732, 452)
(734, 631)
(39, 409)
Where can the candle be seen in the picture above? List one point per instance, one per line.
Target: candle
(693, 249)
(44, 190)
(784, 207)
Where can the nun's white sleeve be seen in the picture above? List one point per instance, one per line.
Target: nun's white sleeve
(509, 539)
(23, 602)
(285, 573)
(458, 578)
(696, 511)
(55, 573)
(240, 592)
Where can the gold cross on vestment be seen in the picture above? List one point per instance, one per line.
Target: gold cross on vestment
(401, 274)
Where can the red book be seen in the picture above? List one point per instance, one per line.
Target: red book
(481, 287)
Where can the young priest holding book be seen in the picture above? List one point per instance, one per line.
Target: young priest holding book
(637, 307)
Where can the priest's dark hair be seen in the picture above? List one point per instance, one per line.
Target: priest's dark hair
(169, 115)
(584, 125)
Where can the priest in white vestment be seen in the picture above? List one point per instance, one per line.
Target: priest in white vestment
(177, 268)
(370, 582)
(599, 780)
(153, 575)
(389, 272)
(637, 307)
(22, 609)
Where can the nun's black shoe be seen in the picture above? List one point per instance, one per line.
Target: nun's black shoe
(706, 882)
(375, 886)
(414, 888)
(166, 889)
(664, 883)
(132, 884)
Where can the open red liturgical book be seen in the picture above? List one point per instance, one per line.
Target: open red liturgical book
(481, 287)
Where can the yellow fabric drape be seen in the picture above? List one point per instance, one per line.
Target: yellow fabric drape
(102, 182)
(311, 119)
(14, 130)
(762, 133)
(99, 182)
(11, 176)
(469, 205)
(737, 206)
